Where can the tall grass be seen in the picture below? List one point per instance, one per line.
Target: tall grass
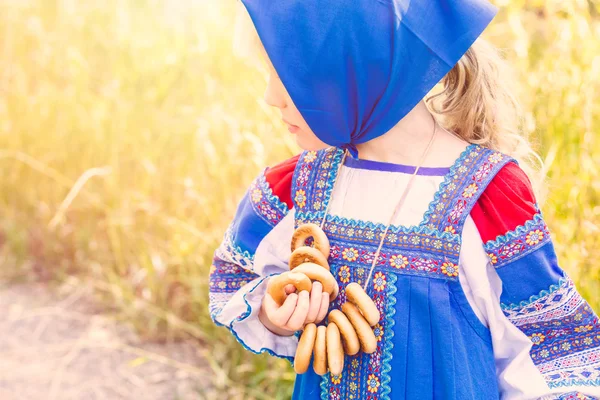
(128, 132)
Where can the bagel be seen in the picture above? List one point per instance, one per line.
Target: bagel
(357, 295)
(335, 352)
(305, 348)
(276, 285)
(368, 341)
(349, 338)
(304, 231)
(317, 273)
(320, 351)
(308, 254)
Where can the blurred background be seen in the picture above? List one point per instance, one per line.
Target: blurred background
(129, 132)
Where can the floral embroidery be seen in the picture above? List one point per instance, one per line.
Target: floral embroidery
(449, 269)
(534, 237)
(378, 331)
(570, 345)
(459, 193)
(495, 158)
(344, 274)
(336, 379)
(574, 396)
(300, 198)
(537, 338)
(256, 195)
(310, 157)
(584, 328)
(544, 353)
(266, 205)
(379, 281)
(470, 190)
(519, 242)
(350, 254)
(373, 383)
(398, 261)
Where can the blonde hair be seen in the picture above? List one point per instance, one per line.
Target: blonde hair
(478, 105)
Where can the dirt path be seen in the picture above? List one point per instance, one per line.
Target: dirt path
(61, 347)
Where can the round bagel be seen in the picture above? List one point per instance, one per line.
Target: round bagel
(335, 352)
(306, 254)
(349, 338)
(317, 273)
(305, 348)
(357, 295)
(320, 241)
(368, 341)
(320, 351)
(276, 285)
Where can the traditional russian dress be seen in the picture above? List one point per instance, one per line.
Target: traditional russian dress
(473, 302)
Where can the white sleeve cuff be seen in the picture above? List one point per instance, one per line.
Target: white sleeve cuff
(240, 316)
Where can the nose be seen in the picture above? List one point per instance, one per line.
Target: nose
(274, 95)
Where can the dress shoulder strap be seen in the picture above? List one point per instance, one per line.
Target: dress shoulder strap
(470, 180)
(313, 180)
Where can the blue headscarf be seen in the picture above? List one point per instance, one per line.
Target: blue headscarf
(354, 68)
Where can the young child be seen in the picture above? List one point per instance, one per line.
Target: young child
(472, 301)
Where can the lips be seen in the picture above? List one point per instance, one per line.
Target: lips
(291, 127)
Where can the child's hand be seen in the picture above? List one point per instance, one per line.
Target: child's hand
(297, 310)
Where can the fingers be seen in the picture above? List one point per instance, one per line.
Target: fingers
(297, 319)
(315, 302)
(279, 316)
(289, 288)
(324, 308)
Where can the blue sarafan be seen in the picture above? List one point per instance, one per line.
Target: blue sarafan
(354, 68)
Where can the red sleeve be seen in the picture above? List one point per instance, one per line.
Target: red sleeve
(506, 203)
(280, 177)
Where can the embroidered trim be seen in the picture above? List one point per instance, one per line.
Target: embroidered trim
(562, 282)
(448, 185)
(244, 316)
(438, 244)
(519, 242)
(266, 204)
(388, 336)
(395, 260)
(564, 332)
(575, 396)
(312, 181)
(230, 252)
(470, 179)
(374, 227)
(225, 277)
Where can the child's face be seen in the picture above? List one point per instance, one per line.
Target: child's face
(277, 96)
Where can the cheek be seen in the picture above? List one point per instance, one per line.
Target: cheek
(305, 138)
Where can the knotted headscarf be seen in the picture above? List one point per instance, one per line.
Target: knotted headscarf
(354, 68)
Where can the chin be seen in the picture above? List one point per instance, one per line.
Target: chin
(310, 143)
